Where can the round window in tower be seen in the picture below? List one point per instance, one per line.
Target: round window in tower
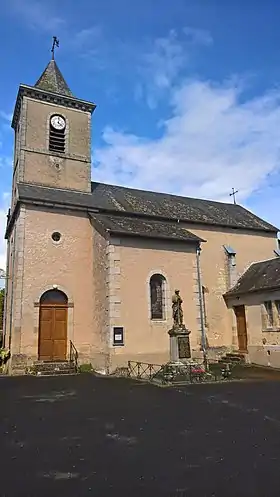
(56, 237)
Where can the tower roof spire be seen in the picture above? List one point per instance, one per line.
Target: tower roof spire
(51, 79)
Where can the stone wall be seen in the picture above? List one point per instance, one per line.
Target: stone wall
(263, 342)
(250, 247)
(43, 264)
(132, 262)
(37, 165)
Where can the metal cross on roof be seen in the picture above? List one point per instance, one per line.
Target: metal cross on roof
(233, 195)
(55, 44)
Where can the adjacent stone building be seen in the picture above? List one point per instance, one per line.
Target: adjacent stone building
(255, 300)
(96, 264)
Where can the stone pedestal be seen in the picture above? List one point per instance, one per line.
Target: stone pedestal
(179, 344)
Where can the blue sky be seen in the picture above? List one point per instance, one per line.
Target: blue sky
(187, 92)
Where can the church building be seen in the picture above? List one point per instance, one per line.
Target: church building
(94, 266)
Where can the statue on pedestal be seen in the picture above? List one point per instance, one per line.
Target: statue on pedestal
(179, 334)
(177, 310)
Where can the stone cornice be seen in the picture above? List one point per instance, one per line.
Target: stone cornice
(53, 98)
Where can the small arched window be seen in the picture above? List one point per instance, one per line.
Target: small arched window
(204, 291)
(157, 296)
(57, 134)
(52, 297)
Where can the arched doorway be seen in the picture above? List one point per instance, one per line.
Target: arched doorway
(53, 326)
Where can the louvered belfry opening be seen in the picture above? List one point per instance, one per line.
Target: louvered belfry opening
(57, 140)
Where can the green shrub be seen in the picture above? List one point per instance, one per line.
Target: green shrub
(85, 368)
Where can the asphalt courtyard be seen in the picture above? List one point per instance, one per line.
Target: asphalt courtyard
(83, 435)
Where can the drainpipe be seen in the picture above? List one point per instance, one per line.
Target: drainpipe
(203, 336)
(6, 295)
(12, 288)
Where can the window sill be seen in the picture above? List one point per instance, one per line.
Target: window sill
(158, 321)
(273, 329)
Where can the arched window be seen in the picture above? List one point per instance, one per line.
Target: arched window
(204, 291)
(57, 134)
(157, 296)
(52, 297)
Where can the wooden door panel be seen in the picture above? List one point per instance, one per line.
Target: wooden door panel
(53, 333)
(46, 350)
(45, 334)
(46, 320)
(60, 324)
(60, 314)
(59, 350)
(59, 331)
(241, 327)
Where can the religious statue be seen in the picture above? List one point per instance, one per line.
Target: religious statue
(177, 309)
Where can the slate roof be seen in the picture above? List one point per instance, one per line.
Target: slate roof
(148, 228)
(176, 207)
(157, 205)
(260, 276)
(53, 81)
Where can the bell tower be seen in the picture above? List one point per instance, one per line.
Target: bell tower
(52, 135)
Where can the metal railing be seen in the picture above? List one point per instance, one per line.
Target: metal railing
(74, 356)
(143, 370)
(171, 373)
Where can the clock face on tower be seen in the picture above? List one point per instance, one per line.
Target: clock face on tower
(58, 122)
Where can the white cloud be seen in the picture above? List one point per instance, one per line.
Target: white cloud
(154, 63)
(37, 15)
(5, 161)
(6, 116)
(198, 36)
(210, 143)
(165, 59)
(5, 131)
(85, 38)
(160, 67)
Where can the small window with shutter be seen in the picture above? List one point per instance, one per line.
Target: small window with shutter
(269, 317)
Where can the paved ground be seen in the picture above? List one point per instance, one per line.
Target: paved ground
(82, 435)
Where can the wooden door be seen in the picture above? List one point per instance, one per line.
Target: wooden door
(241, 327)
(53, 333)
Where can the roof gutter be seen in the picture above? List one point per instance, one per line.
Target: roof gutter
(155, 237)
(250, 292)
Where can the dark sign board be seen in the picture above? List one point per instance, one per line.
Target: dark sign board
(118, 335)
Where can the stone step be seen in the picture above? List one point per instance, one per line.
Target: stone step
(236, 355)
(233, 358)
(52, 373)
(41, 368)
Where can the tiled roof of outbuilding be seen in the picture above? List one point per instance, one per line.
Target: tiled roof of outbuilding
(259, 276)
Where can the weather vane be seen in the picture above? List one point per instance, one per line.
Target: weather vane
(233, 195)
(55, 44)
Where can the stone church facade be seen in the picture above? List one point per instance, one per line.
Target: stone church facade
(96, 264)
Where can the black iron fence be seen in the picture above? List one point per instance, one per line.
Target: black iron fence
(74, 356)
(143, 370)
(172, 373)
